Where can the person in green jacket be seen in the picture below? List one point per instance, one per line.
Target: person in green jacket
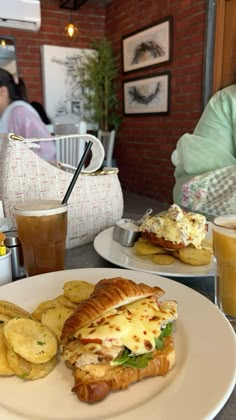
(211, 146)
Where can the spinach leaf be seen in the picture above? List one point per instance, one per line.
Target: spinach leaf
(122, 358)
(125, 359)
(167, 330)
(159, 343)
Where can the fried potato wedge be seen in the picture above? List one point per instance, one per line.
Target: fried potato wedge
(146, 248)
(31, 340)
(27, 370)
(194, 256)
(163, 259)
(12, 310)
(77, 290)
(54, 318)
(5, 369)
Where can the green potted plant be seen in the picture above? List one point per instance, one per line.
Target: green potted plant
(98, 72)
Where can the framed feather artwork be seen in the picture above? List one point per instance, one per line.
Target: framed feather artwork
(147, 95)
(147, 47)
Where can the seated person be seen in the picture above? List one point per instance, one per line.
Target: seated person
(211, 146)
(41, 111)
(19, 117)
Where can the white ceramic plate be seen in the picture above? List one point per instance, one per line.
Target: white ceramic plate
(124, 256)
(196, 388)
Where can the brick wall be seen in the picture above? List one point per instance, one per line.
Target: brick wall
(90, 19)
(144, 144)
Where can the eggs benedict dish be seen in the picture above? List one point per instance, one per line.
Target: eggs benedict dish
(119, 335)
(175, 228)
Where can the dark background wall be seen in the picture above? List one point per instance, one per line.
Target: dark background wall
(144, 143)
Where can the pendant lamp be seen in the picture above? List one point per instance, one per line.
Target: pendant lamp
(71, 30)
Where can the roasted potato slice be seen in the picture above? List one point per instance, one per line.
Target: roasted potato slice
(12, 310)
(163, 259)
(18, 364)
(65, 301)
(54, 318)
(175, 253)
(51, 304)
(146, 257)
(4, 319)
(77, 290)
(40, 370)
(207, 244)
(194, 256)
(28, 370)
(44, 306)
(30, 339)
(142, 239)
(5, 369)
(146, 248)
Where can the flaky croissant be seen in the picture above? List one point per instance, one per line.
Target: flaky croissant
(94, 383)
(107, 294)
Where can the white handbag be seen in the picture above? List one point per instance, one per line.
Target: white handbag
(95, 203)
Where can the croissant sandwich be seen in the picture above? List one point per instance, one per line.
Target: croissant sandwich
(118, 336)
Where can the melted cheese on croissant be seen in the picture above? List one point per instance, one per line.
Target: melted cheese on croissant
(134, 326)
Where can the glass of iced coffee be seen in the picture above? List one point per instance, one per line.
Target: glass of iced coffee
(224, 247)
(42, 230)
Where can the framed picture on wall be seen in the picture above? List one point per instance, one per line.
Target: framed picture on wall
(147, 95)
(63, 94)
(147, 47)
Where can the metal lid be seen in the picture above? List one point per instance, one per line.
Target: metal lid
(11, 238)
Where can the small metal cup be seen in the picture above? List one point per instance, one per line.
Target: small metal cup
(125, 232)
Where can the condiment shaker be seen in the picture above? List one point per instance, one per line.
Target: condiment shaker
(13, 243)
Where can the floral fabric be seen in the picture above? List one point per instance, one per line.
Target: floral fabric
(212, 193)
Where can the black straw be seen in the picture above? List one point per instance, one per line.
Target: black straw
(77, 172)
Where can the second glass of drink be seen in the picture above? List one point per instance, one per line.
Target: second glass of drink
(224, 247)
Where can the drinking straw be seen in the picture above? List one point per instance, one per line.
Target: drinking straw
(77, 172)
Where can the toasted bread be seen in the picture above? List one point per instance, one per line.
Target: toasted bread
(94, 382)
(163, 243)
